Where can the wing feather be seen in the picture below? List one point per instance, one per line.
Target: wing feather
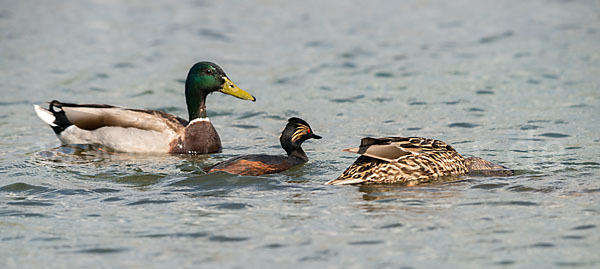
(92, 117)
(392, 149)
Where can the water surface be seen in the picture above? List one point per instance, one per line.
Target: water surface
(514, 83)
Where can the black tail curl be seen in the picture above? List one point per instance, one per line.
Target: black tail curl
(61, 121)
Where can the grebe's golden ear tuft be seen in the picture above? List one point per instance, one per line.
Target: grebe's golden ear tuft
(300, 131)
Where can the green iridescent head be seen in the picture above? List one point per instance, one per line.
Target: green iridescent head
(205, 78)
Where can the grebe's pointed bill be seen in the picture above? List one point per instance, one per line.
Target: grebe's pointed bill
(230, 88)
(314, 136)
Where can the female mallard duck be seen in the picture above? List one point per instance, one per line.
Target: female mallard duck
(408, 160)
(296, 131)
(139, 130)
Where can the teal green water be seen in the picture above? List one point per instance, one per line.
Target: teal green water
(515, 83)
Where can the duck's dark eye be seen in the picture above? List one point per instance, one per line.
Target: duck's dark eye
(208, 71)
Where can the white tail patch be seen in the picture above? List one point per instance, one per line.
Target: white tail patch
(45, 115)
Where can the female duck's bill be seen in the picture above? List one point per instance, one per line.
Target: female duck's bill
(141, 130)
(293, 135)
(410, 161)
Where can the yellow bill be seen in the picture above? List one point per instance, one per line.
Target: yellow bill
(232, 89)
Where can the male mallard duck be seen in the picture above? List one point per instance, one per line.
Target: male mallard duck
(296, 131)
(408, 160)
(139, 130)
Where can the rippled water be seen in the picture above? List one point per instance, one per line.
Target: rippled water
(515, 83)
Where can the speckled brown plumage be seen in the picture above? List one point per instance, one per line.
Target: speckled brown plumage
(406, 160)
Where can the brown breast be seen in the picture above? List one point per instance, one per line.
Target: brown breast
(199, 137)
